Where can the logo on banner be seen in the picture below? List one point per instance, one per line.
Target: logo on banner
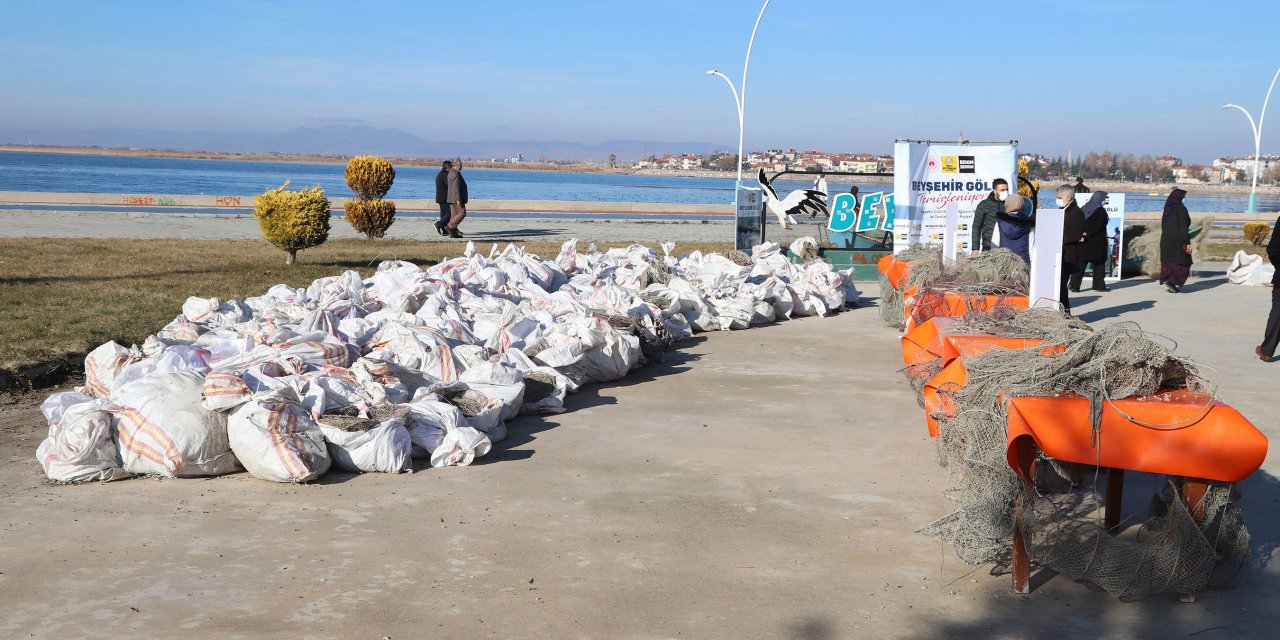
(967, 165)
(932, 165)
(950, 164)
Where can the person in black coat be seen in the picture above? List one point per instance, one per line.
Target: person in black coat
(1072, 237)
(1095, 247)
(1175, 242)
(442, 198)
(1271, 338)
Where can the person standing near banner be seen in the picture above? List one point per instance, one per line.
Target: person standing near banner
(1175, 242)
(986, 214)
(1271, 338)
(1093, 250)
(1016, 222)
(1072, 237)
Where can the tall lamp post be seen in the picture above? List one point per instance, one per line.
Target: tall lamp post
(740, 100)
(1257, 141)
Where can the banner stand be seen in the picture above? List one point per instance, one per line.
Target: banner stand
(1046, 258)
(949, 241)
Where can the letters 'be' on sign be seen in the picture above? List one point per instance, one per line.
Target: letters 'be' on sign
(876, 213)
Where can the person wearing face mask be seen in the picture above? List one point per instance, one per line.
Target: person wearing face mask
(985, 215)
(1073, 236)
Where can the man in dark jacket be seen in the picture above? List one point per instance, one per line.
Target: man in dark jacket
(1271, 339)
(1080, 188)
(984, 216)
(1096, 246)
(442, 197)
(1072, 237)
(457, 198)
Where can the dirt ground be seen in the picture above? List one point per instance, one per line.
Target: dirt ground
(758, 484)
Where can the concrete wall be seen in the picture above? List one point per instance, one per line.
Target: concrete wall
(246, 202)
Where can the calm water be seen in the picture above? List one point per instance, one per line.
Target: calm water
(115, 174)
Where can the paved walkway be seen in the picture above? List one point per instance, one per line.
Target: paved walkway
(759, 484)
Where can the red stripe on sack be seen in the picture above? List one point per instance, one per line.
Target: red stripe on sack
(292, 465)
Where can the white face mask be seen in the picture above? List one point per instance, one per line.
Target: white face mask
(1061, 204)
(1002, 195)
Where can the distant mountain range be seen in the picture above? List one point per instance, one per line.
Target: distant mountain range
(349, 140)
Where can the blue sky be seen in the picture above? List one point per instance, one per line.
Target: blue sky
(1132, 75)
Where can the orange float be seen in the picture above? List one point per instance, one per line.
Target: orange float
(1179, 433)
(923, 306)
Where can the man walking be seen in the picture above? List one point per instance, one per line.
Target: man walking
(442, 198)
(1073, 236)
(1271, 339)
(984, 216)
(457, 199)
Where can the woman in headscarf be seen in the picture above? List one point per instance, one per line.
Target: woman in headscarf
(1016, 222)
(1094, 248)
(1175, 242)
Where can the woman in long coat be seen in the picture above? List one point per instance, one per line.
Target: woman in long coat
(1175, 242)
(1095, 247)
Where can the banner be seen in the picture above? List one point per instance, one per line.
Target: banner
(927, 177)
(750, 219)
(1114, 204)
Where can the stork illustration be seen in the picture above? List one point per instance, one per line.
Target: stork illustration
(800, 201)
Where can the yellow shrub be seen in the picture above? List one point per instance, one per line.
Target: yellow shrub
(370, 217)
(293, 220)
(370, 177)
(1256, 232)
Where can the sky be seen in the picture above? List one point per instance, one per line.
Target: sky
(1139, 76)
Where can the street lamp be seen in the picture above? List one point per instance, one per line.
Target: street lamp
(740, 100)
(1257, 141)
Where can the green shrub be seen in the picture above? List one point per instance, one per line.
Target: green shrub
(370, 217)
(293, 220)
(1256, 232)
(370, 177)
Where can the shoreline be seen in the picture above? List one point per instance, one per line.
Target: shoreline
(586, 167)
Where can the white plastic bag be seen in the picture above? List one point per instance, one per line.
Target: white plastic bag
(439, 431)
(163, 428)
(385, 448)
(79, 447)
(275, 438)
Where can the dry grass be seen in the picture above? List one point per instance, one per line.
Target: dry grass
(62, 297)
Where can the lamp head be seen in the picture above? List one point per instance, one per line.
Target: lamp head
(712, 72)
(1230, 106)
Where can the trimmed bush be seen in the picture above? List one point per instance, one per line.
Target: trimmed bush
(1256, 232)
(370, 217)
(370, 177)
(293, 220)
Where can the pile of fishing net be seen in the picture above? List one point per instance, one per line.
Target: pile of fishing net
(1142, 245)
(998, 271)
(1062, 525)
(410, 362)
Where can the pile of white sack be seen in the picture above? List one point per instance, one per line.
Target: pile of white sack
(368, 374)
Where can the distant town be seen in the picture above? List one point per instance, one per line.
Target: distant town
(1093, 165)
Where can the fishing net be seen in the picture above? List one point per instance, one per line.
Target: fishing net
(1144, 247)
(1062, 525)
(998, 271)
